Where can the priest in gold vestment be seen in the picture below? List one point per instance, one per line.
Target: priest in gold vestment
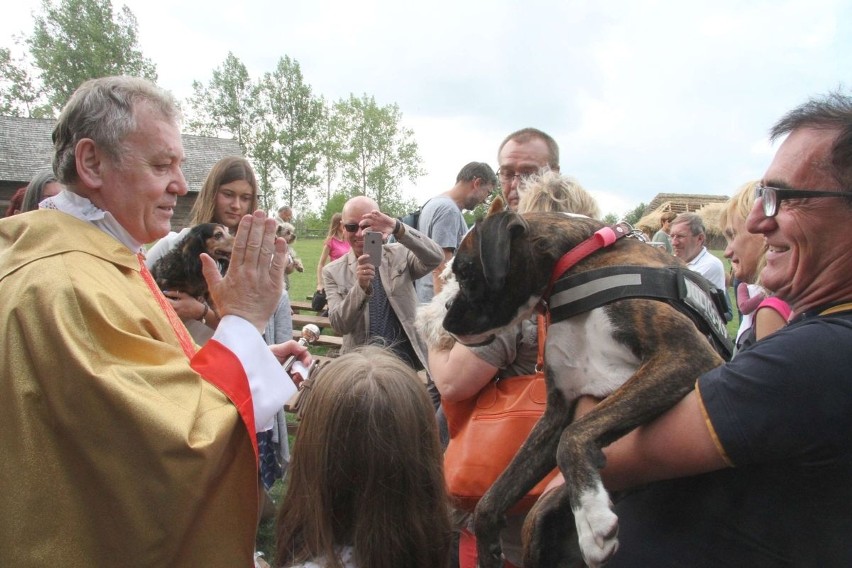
(121, 443)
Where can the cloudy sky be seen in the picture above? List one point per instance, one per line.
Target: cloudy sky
(643, 97)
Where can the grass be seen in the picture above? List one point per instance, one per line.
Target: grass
(304, 284)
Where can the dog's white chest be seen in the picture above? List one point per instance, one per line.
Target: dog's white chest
(586, 358)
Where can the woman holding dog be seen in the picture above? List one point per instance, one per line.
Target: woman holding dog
(462, 372)
(228, 193)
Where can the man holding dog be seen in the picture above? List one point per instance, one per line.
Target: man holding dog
(753, 467)
(523, 153)
(121, 443)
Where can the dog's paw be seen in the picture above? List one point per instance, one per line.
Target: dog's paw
(597, 526)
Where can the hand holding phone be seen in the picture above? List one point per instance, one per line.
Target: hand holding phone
(373, 247)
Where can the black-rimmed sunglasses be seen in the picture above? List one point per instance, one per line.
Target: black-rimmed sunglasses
(352, 227)
(773, 196)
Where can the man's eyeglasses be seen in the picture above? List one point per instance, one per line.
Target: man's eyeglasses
(773, 196)
(508, 176)
(352, 227)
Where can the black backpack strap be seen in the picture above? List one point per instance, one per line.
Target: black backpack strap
(684, 289)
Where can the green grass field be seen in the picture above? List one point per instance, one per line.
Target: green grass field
(303, 284)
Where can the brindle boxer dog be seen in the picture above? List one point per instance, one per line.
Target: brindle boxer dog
(642, 355)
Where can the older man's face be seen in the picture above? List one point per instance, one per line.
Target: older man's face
(353, 214)
(809, 249)
(141, 189)
(519, 160)
(685, 245)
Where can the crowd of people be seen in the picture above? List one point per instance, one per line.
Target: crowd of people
(157, 417)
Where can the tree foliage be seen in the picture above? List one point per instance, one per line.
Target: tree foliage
(78, 40)
(378, 152)
(286, 102)
(226, 105)
(635, 214)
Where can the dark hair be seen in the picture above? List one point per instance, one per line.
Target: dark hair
(830, 111)
(103, 110)
(479, 170)
(366, 470)
(35, 189)
(527, 134)
(226, 170)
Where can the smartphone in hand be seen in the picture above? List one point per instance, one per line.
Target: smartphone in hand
(373, 247)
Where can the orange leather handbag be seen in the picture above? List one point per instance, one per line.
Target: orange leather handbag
(488, 429)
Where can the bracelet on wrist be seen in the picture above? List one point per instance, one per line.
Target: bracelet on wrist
(397, 227)
(203, 318)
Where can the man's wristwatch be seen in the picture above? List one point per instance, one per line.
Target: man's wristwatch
(396, 228)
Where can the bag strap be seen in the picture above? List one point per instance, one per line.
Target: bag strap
(543, 324)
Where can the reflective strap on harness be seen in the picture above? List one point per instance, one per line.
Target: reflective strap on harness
(682, 288)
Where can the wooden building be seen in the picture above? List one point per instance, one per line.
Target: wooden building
(26, 148)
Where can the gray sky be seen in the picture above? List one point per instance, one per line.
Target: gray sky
(643, 97)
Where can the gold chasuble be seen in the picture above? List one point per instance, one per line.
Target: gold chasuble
(113, 450)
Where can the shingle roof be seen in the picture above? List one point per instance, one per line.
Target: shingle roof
(26, 147)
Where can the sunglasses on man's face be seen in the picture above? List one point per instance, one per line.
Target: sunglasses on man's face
(352, 227)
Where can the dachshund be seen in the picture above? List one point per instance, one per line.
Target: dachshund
(642, 352)
(180, 268)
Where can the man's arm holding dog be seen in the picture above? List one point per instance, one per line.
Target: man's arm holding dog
(678, 443)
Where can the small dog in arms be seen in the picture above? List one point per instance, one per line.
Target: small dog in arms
(629, 323)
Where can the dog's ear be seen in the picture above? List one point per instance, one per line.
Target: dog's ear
(495, 243)
(496, 206)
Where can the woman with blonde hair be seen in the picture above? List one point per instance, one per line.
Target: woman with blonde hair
(762, 313)
(366, 484)
(336, 245)
(552, 191)
(462, 371)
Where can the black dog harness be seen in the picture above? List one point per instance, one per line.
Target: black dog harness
(687, 291)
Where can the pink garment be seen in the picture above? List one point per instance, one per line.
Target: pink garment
(777, 304)
(337, 247)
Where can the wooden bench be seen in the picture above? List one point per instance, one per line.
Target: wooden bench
(300, 306)
(301, 320)
(325, 340)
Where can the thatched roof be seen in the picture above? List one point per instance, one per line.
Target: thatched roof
(708, 206)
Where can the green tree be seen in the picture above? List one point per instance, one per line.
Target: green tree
(226, 105)
(378, 152)
(78, 40)
(635, 214)
(286, 102)
(610, 219)
(330, 147)
(20, 93)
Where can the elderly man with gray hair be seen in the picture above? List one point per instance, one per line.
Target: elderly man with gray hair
(147, 442)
